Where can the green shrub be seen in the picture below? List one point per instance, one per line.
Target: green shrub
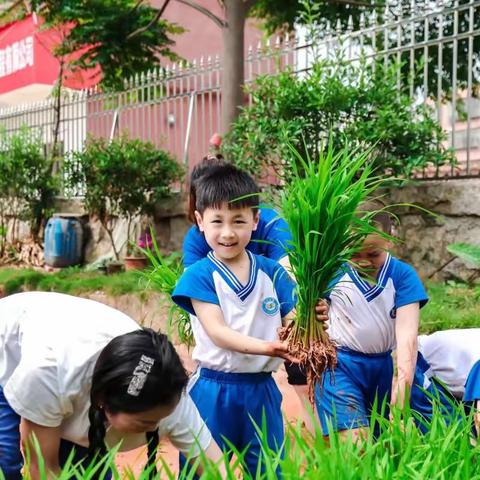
(359, 102)
(28, 183)
(123, 178)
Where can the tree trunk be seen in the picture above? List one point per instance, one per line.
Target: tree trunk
(233, 60)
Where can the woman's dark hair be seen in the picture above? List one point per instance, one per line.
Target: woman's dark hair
(202, 168)
(134, 373)
(227, 184)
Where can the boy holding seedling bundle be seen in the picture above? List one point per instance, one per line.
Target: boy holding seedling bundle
(367, 320)
(447, 371)
(237, 301)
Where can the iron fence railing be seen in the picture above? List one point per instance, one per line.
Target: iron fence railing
(178, 107)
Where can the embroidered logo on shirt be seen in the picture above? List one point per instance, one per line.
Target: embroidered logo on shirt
(270, 305)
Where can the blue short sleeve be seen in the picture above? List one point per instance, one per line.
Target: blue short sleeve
(408, 286)
(195, 283)
(195, 247)
(274, 231)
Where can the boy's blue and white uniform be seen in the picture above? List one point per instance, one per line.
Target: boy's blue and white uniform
(231, 388)
(448, 368)
(362, 326)
(270, 239)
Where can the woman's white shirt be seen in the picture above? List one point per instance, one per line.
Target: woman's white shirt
(49, 343)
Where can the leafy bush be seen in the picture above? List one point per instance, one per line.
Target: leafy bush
(28, 184)
(124, 178)
(359, 102)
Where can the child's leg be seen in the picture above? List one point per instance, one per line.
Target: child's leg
(340, 401)
(425, 392)
(218, 406)
(472, 395)
(11, 460)
(262, 401)
(380, 388)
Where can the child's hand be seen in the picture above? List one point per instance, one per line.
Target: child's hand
(321, 309)
(280, 349)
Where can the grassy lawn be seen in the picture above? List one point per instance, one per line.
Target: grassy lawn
(70, 280)
(452, 305)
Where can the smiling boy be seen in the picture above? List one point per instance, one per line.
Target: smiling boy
(374, 309)
(237, 301)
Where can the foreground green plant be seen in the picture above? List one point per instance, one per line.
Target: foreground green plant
(400, 452)
(162, 276)
(320, 204)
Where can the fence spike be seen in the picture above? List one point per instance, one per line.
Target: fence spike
(350, 24)
(328, 29)
(362, 22)
(338, 27)
(387, 11)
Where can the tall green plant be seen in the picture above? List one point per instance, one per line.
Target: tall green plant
(320, 204)
(123, 178)
(163, 276)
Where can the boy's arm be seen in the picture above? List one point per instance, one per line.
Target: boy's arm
(406, 332)
(211, 318)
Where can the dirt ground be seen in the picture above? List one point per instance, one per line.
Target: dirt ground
(135, 460)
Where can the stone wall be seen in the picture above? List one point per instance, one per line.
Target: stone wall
(424, 238)
(169, 222)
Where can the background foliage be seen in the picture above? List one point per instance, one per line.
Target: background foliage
(123, 178)
(355, 101)
(28, 182)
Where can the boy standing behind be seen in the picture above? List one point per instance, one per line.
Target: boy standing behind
(367, 320)
(237, 301)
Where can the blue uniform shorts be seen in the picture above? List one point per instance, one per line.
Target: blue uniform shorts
(472, 386)
(231, 404)
(11, 460)
(428, 393)
(346, 398)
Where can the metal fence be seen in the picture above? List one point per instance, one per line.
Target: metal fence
(178, 107)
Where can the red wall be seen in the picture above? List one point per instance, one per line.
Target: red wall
(203, 37)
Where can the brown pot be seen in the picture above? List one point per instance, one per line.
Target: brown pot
(113, 268)
(135, 263)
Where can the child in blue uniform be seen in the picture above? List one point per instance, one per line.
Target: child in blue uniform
(447, 372)
(367, 320)
(237, 301)
(269, 239)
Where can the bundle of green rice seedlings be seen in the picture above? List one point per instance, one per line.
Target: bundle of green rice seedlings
(320, 204)
(163, 275)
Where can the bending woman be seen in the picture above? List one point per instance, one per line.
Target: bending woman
(82, 376)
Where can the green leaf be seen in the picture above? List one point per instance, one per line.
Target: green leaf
(467, 252)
